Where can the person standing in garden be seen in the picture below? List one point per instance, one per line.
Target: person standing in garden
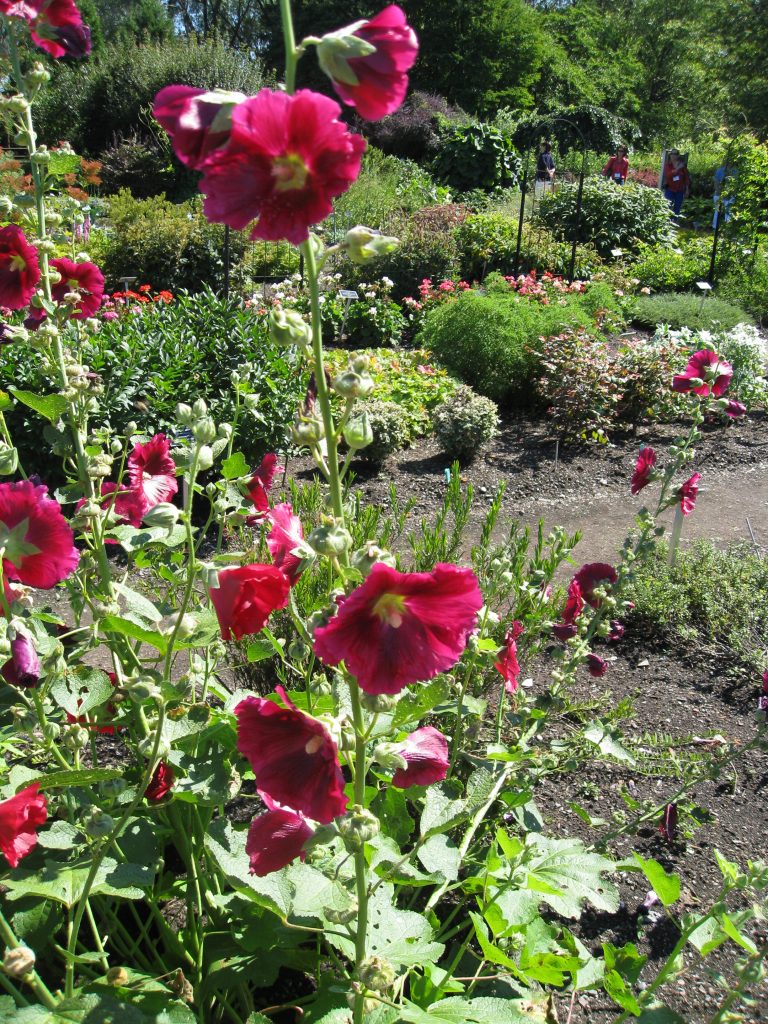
(676, 181)
(545, 170)
(617, 167)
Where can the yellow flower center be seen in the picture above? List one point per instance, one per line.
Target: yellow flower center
(289, 172)
(390, 608)
(17, 263)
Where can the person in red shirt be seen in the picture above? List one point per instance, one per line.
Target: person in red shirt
(676, 181)
(617, 167)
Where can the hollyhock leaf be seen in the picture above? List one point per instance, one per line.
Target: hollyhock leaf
(235, 466)
(441, 856)
(401, 628)
(66, 883)
(139, 605)
(81, 690)
(294, 758)
(273, 892)
(125, 627)
(206, 781)
(607, 742)
(444, 806)
(52, 407)
(666, 886)
(573, 875)
(315, 892)
(391, 808)
(416, 703)
(77, 777)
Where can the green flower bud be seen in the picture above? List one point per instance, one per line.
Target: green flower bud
(379, 703)
(358, 827)
(117, 976)
(205, 458)
(366, 557)
(204, 430)
(388, 756)
(307, 430)
(113, 788)
(287, 327)
(38, 74)
(361, 363)
(377, 974)
(164, 515)
(6, 206)
(143, 688)
(184, 414)
(353, 385)
(298, 650)
(363, 244)
(97, 823)
(9, 459)
(358, 432)
(17, 105)
(41, 157)
(199, 409)
(335, 916)
(75, 737)
(330, 539)
(18, 962)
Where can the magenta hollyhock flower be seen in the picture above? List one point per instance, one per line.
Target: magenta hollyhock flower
(152, 472)
(591, 576)
(762, 702)
(596, 666)
(294, 757)
(38, 543)
(85, 278)
(198, 121)
(161, 783)
(735, 409)
(128, 506)
(426, 753)
(508, 665)
(19, 268)
(399, 628)
(706, 374)
(57, 27)
(368, 62)
(23, 667)
(260, 485)
(246, 597)
(574, 605)
(617, 630)
(20, 817)
(288, 158)
(284, 537)
(641, 477)
(275, 839)
(687, 494)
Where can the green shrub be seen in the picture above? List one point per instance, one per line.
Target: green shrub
(390, 432)
(140, 165)
(746, 284)
(715, 601)
(386, 188)
(578, 386)
(673, 269)
(612, 216)
(168, 245)
(415, 130)
(687, 310)
(477, 155)
(464, 423)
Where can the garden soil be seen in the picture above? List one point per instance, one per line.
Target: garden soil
(676, 693)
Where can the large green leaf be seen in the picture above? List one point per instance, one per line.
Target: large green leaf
(484, 1010)
(125, 627)
(666, 887)
(80, 690)
(64, 883)
(275, 891)
(441, 856)
(52, 407)
(444, 807)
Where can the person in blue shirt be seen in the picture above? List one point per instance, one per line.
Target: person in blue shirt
(723, 171)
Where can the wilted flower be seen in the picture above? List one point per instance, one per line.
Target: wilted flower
(643, 473)
(596, 666)
(426, 753)
(23, 667)
(668, 823)
(285, 536)
(246, 597)
(508, 664)
(590, 577)
(401, 628)
(20, 817)
(687, 494)
(734, 409)
(293, 755)
(260, 484)
(38, 544)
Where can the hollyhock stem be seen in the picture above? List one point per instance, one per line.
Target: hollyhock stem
(291, 55)
(361, 866)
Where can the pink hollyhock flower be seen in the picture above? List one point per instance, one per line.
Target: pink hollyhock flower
(160, 784)
(668, 823)
(260, 485)
(288, 158)
(38, 543)
(198, 121)
(596, 666)
(508, 664)
(400, 628)
(641, 477)
(706, 374)
(762, 703)
(59, 30)
(687, 494)
(152, 472)
(368, 62)
(129, 506)
(23, 667)
(20, 817)
(591, 576)
(85, 278)
(426, 753)
(574, 605)
(293, 756)
(246, 597)
(735, 409)
(19, 268)
(275, 839)
(282, 540)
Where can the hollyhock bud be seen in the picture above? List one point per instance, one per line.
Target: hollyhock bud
(366, 557)
(387, 755)
(97, 823)
(368, 62)
(117, 976)
(204, 458)
(616, 631)
(204, 430)
(287, 327)
(363, 244)
(19, 962)
(376, 973)
(307, 430)
(358, 827)
(353, 385)
(163, 515)
(9, 459)
(23, 668)
(330, 539)
(596, 665)
(358, 432)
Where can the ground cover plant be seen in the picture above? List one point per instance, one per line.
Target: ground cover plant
(687, 309)
(355, 841)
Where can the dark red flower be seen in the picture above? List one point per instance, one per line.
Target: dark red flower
(152, 472)
(706, 374)
(508, 664)
(400, 628)
(641, 477)
(246, 597)
(368, 62)
(687, 494)
(563, 631)
(596, 666)
(85, 278)
(275, 839)
(260, 485)
(294, 757)
(426, 751)
(59, 30)
(198, 121)
(20, 817)
(38, 543)
(288, 158)
(19, 268)
(734, 410)
(591, 576)
(668, 823)
(617, 630)
(574, 606)
(23, 667)
(160, 784)
(285, 536)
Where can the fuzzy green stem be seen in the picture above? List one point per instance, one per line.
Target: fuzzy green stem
(291, 55)
(32, 979)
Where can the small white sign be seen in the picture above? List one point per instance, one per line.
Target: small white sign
(705, 286)
(617, 252)
(346, 293)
